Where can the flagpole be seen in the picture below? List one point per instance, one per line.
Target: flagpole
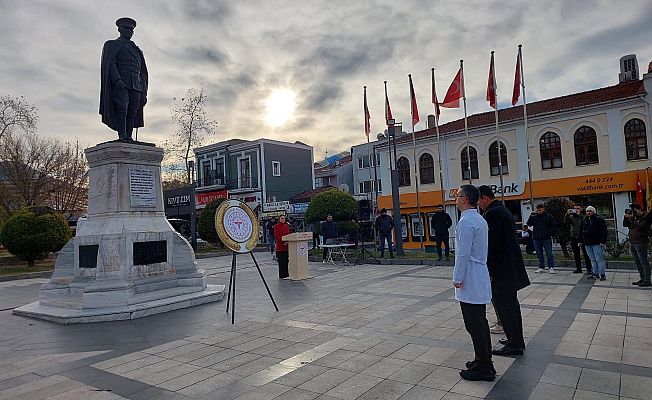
(414, 154)
(441, 175)
(500, 143)
(527, 140)
(466, 127)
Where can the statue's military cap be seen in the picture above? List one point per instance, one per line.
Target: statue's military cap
(126, 21)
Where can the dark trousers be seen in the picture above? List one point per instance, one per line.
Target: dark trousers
(127, 103)
(475, 321)
(539, 247)
(327, 249)
(639, 252)
(509, 313)
(283, 258)
(445, 241)
(386, 237)
(575, 246)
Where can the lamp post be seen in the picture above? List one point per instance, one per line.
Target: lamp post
(391, 146)
(193, 213)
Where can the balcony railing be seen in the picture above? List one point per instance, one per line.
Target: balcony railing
(242, 183)
(210, 181)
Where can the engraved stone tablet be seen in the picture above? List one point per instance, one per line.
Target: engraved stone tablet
(142, 188)
(88, 256)
(150, 252)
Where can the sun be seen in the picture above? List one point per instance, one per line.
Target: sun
(280, 106)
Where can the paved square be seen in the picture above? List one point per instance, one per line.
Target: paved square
(365, 332)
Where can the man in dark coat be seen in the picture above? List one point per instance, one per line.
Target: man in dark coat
(441, 222)
(124, 80)
(544, 227)
(506, 269)
(384, 226)
(593, 235)
(329, 232)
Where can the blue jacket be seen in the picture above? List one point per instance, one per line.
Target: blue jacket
(328, 229)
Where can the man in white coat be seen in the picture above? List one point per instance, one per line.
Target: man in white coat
(471, 282)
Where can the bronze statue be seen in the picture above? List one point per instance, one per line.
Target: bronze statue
(123, 92)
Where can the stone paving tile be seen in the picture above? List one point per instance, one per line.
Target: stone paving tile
(635, 387)
(183, 381)
(354, 387)
(387, 390)
(546, 391)
(297, 394)
(413, 372)
(581, 394)
(209, 385)
(301, 375)
(562, 375)
(442, 378)
(599, 381)
(267, 391)
(41, 389)
(359, 362)
(384, 368)
(423, 393)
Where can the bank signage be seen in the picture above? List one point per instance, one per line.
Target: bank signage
(509, 188)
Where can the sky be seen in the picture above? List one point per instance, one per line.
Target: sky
(295, 70)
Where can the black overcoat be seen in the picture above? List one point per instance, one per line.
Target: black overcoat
(504, 258)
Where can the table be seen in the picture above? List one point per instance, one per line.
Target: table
(338, 248)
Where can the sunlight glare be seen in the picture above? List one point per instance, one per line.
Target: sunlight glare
(280, 107)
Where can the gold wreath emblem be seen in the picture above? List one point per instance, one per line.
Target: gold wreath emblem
(228, 241)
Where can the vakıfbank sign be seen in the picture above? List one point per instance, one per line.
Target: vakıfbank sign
(509, 188)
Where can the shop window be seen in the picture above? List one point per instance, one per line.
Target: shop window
(475, 172)
(403, 169)
(426, 169)
(493, 159)
(586, 146)
(635, 140)
(550, 148)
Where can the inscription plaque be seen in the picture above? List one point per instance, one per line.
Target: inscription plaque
(88, 256)
(142, 188)
(150, 252)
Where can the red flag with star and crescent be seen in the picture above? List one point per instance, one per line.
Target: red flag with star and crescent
(491, 84)
(367, 116)
(455, 92)
(413, 103)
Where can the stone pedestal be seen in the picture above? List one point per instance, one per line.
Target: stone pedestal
(298, 254)
(126, 261)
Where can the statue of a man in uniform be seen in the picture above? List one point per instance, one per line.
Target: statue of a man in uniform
(123, 92)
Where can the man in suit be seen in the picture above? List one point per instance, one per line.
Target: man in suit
(123, 90)
(506, 269)
(441, 223)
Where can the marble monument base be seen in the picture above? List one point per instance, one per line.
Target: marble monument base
(126, 261)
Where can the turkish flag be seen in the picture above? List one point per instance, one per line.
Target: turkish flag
(413, 104)
(491, 84)
(434, 95)
(455, 92)
(517, 80)
(367, 125)
(388, 109)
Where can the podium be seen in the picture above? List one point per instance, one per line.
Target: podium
(298, 254)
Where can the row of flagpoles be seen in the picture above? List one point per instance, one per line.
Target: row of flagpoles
(454, 93)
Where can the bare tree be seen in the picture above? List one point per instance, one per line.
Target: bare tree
(193, 126)
(16, 113)
(68, 184)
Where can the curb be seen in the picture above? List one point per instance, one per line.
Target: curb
(28, 275)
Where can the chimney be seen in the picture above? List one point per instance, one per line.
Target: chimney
(431, 121)
(628, 68)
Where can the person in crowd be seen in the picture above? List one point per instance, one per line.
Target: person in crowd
(281, 229)
(269, 229)
(544, 227)
(526, 239)
(638, 222)
(573, 219)
(471, 282)
(506, 269)
(329, 233)
(593, 234)
(384, 226)
(441, 223)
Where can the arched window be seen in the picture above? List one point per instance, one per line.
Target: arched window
(635, 140)
(475, 173)
(493, 158)
(550, 148)
(426, 169)
(403, 169)
(586, 146)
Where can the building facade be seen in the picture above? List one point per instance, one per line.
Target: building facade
(591, 147)
(339, 174)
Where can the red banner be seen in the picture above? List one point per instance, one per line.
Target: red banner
(202, 199)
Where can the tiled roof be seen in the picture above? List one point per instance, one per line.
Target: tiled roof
(608, 94)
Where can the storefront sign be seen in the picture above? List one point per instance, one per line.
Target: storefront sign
(178, 201)
(276, 206)
(253, 200)
(298, 208)
(202, 199)
(510, 189)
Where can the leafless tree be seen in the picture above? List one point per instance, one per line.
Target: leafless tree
(193, 126)
(16, 113)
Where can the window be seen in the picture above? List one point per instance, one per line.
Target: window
(635, 140)
(586, 146)
(475, 172)
(219, 172)
(550, 148)
(276, 168)
(206, 173)
(403, 169)
(426, 169)
(379, 186)
(245, 173)
(363, 162)
(368, 187)
(493, 159)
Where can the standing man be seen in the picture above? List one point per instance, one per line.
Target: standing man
(638, 223)
(543, 226)
(506, 269)
(124, 80)
(384, 227)
(329, 233)
(593, 234)
(471, 282)
(270, 236)
(573, 219)
(441, 223)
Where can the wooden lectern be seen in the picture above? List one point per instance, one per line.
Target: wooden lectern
(298, 252)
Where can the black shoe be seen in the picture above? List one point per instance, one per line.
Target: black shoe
(439, 259)
(603, 277)
(645, 284)
(592, 277)
(577, 271)
(477, 375)
(503, 341)
(638, 282)
(507, 350)
(470, 364)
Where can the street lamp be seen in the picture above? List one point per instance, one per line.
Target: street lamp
(392, 128)
(193, 214)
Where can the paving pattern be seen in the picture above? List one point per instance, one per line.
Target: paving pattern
(365, 332)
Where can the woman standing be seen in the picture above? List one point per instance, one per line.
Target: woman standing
(281, 229)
